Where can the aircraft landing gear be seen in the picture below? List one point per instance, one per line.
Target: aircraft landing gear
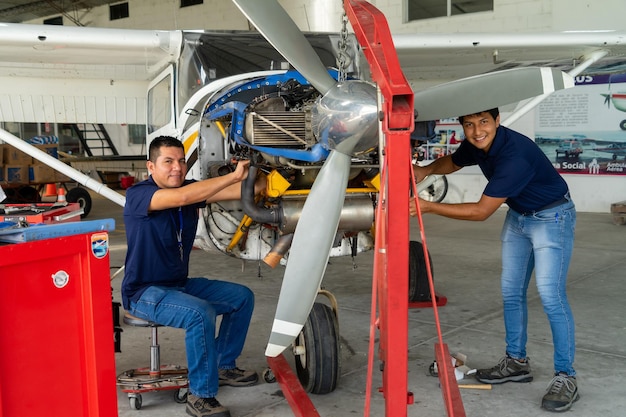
(317, 350)
(81, 196)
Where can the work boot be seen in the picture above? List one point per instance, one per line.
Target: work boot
(238, 377)
(205, 407)
(562, 393)
(508, 369)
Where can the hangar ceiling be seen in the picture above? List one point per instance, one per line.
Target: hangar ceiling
(18, 11)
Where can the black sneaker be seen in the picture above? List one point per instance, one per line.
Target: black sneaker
(205, 407)
(562, 393)
(508, 369)
(238, 377)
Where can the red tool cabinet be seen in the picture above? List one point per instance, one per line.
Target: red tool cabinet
(56, 347)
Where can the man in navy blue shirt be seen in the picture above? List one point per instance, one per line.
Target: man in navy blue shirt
(538, 234)
(161, 217)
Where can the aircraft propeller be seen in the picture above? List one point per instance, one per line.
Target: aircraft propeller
(345, 121)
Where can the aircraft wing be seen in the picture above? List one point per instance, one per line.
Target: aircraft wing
(429, 58)
(80, 74)
(97, 75)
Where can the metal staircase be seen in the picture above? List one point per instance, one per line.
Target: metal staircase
(95, 140)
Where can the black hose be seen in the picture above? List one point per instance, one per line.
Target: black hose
(259, 214)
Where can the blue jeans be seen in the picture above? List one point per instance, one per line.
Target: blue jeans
(195, 308)
(542, 241)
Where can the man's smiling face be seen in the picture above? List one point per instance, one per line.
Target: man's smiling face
(480, 129)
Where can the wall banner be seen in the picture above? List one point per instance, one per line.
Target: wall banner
(582, 130)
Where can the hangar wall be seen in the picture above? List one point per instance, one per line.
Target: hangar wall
(593, 194)
(324, 15)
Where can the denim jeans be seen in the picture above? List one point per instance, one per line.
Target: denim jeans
(542, 241)
(195, 308)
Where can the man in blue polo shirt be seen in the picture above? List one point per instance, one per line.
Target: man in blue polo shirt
(538, 233)
(161, 217)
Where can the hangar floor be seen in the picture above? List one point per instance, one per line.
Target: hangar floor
(466, 263)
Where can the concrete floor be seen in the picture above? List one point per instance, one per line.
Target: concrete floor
(466, 263)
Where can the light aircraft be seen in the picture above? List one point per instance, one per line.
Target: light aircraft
(617, 98)
(614, 148)
(315, 131)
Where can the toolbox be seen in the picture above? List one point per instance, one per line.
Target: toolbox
(37, 213)
(56, 351)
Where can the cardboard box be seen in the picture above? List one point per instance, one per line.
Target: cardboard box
(16, 174)
(41, 173)
(59, 177)
(13, 156)
(51, 149)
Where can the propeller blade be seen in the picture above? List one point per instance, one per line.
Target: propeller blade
(486, 91)
(277, 27)
(607, 100)
(308, 256)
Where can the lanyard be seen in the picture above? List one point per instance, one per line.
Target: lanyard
(179, 233)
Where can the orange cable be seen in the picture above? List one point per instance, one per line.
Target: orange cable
(373, 319)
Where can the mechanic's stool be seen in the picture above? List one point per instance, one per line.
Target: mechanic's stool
(155, 378)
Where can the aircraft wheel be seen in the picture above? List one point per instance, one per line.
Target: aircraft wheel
(437, 191)
(81, 196)
(317, 352)
(622, 125)
(419, 289)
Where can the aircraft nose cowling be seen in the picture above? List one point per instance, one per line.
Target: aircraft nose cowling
(345, 119)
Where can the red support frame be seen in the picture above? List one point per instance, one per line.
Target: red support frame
(392, 242)
(391, 256)
(372, 32)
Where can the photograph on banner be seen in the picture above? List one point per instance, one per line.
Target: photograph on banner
(583, 129)
(436, 138)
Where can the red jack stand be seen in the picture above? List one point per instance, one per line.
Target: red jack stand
(297, 398)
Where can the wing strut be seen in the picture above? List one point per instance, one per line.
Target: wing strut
(530, 104)
(63, 168)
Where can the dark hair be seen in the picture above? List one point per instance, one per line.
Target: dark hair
(162, 141)
(493, 112)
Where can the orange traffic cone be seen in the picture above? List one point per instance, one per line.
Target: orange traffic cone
(51, 190)
(61, 196)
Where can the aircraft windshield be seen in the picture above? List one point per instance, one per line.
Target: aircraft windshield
(208, 56)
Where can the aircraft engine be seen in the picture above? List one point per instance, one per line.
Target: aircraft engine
(271, 120)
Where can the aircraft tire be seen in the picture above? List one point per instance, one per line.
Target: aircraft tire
(81, 196)
(419, 288)
(622, 125)
(318, 364)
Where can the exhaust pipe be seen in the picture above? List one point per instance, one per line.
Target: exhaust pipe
(272, 215)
